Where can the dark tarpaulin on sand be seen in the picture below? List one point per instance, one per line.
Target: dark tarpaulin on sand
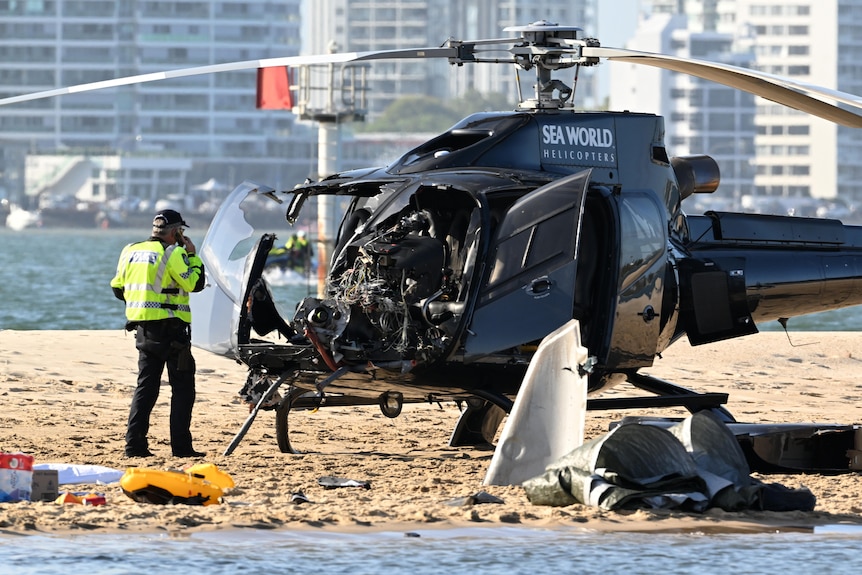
(693, 465)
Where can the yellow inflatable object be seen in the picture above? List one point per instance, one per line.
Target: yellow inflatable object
(211, 473)
(200, 484)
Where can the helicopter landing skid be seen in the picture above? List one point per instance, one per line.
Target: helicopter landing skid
(667, 395)
(479, 421)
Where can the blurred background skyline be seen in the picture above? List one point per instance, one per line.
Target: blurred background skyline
(189, 141)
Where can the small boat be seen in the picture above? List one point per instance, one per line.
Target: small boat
(19, 219)
(201, 484)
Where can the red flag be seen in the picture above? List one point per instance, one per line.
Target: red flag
(273, 89)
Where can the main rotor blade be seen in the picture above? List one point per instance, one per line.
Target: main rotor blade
(235, 66)
(791, 93)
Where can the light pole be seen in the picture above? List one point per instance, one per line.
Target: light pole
(319, 86)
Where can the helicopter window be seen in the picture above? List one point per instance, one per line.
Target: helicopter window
(532, 246)
(383, 205)
(449, 142)
(643, 238)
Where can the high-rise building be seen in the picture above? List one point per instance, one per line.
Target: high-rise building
(798, 154)
(794, 155)
(701, 117)
(210, 120)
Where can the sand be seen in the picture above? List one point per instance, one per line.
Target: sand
(66, 396)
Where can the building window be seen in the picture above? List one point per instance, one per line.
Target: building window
(721, 98)
(721, 122)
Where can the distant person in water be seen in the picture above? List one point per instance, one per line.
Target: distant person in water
(295, 254)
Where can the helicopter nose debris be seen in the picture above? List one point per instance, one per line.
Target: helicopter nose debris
(318, 316)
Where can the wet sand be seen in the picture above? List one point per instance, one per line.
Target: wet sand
(66, 396)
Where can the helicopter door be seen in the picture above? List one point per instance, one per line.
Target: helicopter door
(234, 259)
(529, 291)
(636, 322)
(230, 238)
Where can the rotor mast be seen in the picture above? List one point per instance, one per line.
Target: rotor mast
(548, 47)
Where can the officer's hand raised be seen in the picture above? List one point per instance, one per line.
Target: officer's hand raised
(189, 245)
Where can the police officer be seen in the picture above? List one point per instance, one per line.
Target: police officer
(300, 250)
(155, 278)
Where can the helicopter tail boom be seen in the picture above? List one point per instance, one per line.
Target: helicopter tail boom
(791, 265)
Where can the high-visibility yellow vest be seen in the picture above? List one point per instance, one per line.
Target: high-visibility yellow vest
(156, 281)
(296, 243)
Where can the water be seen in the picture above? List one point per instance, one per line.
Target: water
(473, 550)
(58, 279)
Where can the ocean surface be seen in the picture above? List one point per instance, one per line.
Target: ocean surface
(59, 279)
(474, 551)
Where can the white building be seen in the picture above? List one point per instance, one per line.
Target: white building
(701, 117)
(798, 154)
(795, 155)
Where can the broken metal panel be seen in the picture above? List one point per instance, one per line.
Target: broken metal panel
(547, 418)
(799, 448)
(789, 447)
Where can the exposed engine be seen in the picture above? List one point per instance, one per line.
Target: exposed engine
(384, 299)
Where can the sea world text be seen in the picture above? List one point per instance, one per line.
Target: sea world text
(577, 136)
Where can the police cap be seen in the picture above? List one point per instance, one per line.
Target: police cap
(168, 219)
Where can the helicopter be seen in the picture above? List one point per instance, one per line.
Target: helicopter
(453, 263)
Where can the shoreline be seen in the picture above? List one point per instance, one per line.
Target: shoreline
(67, 395)
(668, 526)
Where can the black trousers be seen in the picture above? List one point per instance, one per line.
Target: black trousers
(163, 343)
